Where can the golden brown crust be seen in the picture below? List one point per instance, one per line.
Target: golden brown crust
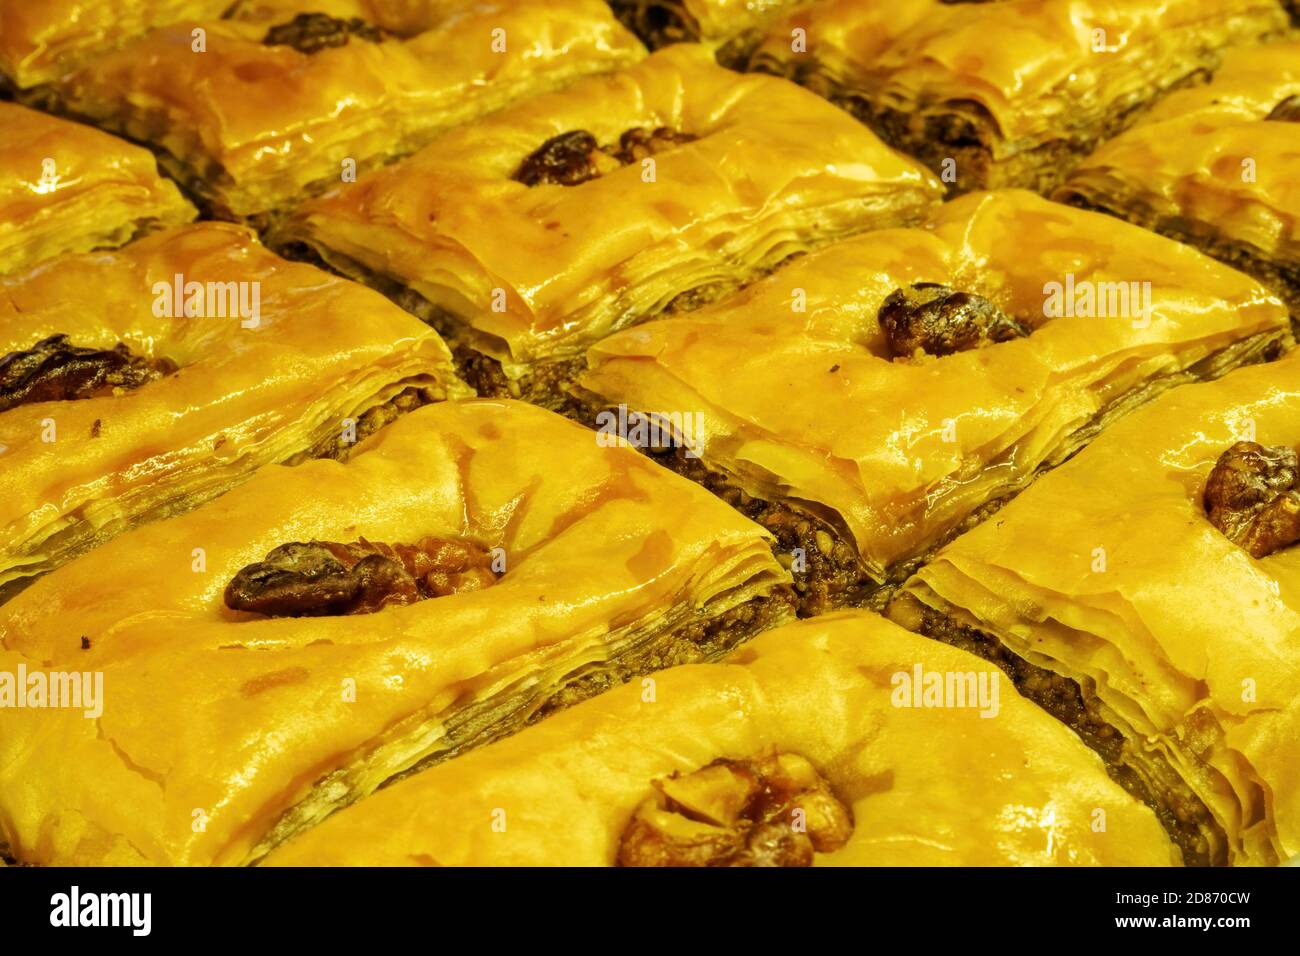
(1062, 75)
(1110, 572)
(899, 452)
(65, 187)
(267, 724)
(273, 359)
(535, 273)
(250, 127)
(925, 785)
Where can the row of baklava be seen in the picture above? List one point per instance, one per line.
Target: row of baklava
(863, 405)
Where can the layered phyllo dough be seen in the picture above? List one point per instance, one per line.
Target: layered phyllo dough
(874, 398)
(139, 383)
(1216, 167)
(840, 741)
(1012, 93)
(530, 234)
(1150, 588)
(253, 115)
(40, 40)
(65, 187)
(296, 643)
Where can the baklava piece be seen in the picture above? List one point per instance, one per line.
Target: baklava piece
(271, 110)
(41, 40)
(136, 384)
(1216, 167)
(1148, 592)
(841, 741)
(293, 645)
(65, 187)
(530, 234)
(1011, 93)
(876, 397)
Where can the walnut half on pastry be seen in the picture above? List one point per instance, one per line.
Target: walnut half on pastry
(771, 811)
(1251, 497)
(938, 320)
(324, 577)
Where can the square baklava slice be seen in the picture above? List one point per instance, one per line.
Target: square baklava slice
(874, 398)
(252, 115)
(1149, 593)
(821, 743)
(298, 642)
(1011, 93)
(1215, 166)
(530, 234)
(139, 383)
(65, 187)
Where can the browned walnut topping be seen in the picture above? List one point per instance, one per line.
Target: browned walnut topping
(54, 370)
(1288, 111)
(939, 320)
(575, 157)
(313, 32)
(771, 811)
(326, 578)
(1251, 497)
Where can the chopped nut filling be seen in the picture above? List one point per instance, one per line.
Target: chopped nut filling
(576, 157)
(1251, 497)
(1288, 111)
(54, 370)
(327, 578)
(938, 320)
(313, 32)
(771, 811)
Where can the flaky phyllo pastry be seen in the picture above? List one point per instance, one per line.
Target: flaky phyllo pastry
(65, 187)
(1215, 166)
(257, 113)
(287, 648)
(1159, 571)
(842, 740)
(1011, 93)
(530, 234)
(42, 39)
(873, 398)
(139, 383)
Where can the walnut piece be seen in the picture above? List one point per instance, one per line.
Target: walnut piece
(939, 320)
(54, 370)
(313, 32)
(1251, 497)
(1288, 111)
(576, 157)
(775, 810)
(326, 578)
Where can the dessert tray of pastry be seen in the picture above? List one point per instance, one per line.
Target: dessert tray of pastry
(649, 433)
